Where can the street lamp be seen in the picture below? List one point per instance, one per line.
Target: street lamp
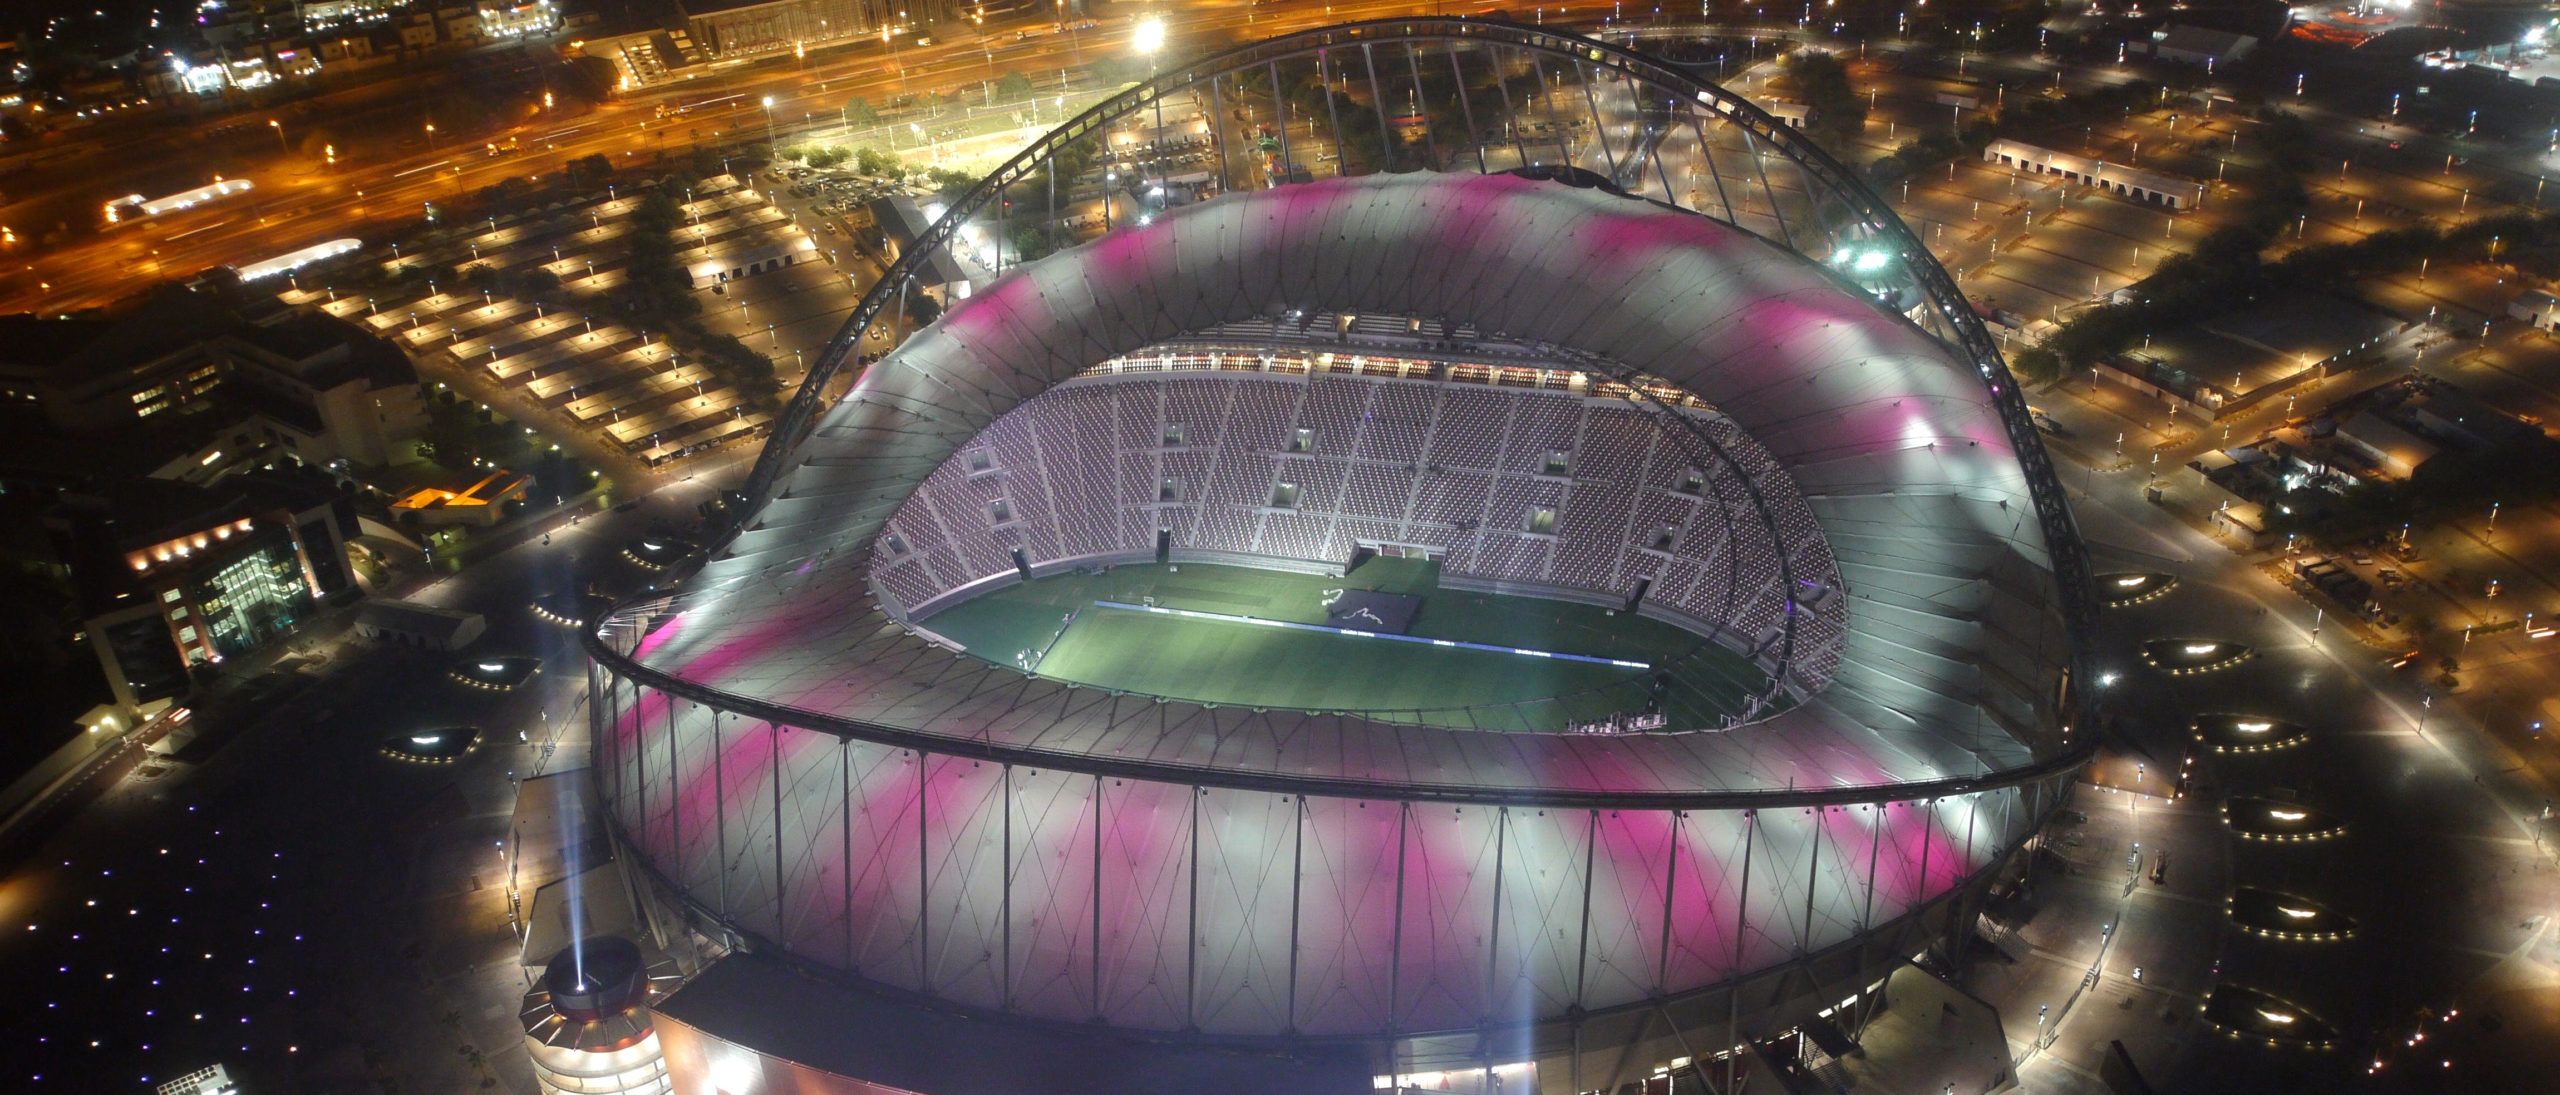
(773, 149)
(1149, 35)
(431, 136)
(279, 128)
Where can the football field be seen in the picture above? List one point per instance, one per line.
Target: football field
(1055, 627)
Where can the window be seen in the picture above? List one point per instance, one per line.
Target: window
(1694, 482)
(1559, 464)
(1302, 440)
(999, 511)
(1173, 435)
(896, 544)
(177, 614)
(1542, 521)
(1663, 536)
(981, 460)
(187, 634)
(169, 596)
(1284, 496)
(1169, 490)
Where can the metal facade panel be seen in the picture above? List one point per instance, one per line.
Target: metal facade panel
(1146, 883)
(1247, 902)
(1347, 938)
(964, 805)
(1052, 886)
(1445, 964)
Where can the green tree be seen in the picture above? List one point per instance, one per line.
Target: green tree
(1838, 113)
(873, 161)
(590, 170)
(2035, 365)
(859, 111)
(452, 435)
(949, 182)
(1013, 85)
(590, 78)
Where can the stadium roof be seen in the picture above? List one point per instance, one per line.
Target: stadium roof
(1956, 638)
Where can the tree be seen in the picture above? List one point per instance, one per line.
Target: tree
(826, 156)
(949, 182)
(1013, 85)
(1838, 113)
(590, 170)
(873, 161)
(2035, 365)
(590, 78)
(452, 435)
(859, 111)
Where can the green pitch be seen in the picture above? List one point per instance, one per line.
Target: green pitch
(1243, 665)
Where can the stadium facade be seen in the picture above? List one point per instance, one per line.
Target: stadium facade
(1702, 375)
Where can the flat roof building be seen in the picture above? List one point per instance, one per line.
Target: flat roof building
(427, 627)
(2126, 182)
(174, 575)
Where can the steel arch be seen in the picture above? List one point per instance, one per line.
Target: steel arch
(1952, 318)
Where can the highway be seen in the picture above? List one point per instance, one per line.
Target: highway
(387, 166)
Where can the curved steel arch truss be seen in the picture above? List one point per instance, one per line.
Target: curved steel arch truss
(1837, 201)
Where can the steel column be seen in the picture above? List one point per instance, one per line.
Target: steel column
(1378, 103)
(1395, 938)
(1510, 113)
(719, 815)
(1004, 992)
(1218, 135)
(1430, 142)
(1458, 79)
(1670, 888)
(1733, 995)
(1582, 937)
(924, 876)
(1332, 111)
(844, 844)
(1191, 935)
(1599, 125)
(1093, 960)
(1493, 942)
(1297, 888)
(781, 928)
(1280, 114)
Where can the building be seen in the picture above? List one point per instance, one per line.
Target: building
(2194, 45)
(1363, 896)
(147, 357)
(2126, 182)
(2393, 451)
(899, 223)
(2464, 421)
(355, 396)
(178, 575)
(218, 390)
(736, 28)
(729, 263)
(426, 627)
(2536, 307)
(483, 502)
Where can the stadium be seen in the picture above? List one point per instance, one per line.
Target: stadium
(1497, 616)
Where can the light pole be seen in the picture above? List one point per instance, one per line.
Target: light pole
(279, 128)
(773, 149)
(431, 136)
